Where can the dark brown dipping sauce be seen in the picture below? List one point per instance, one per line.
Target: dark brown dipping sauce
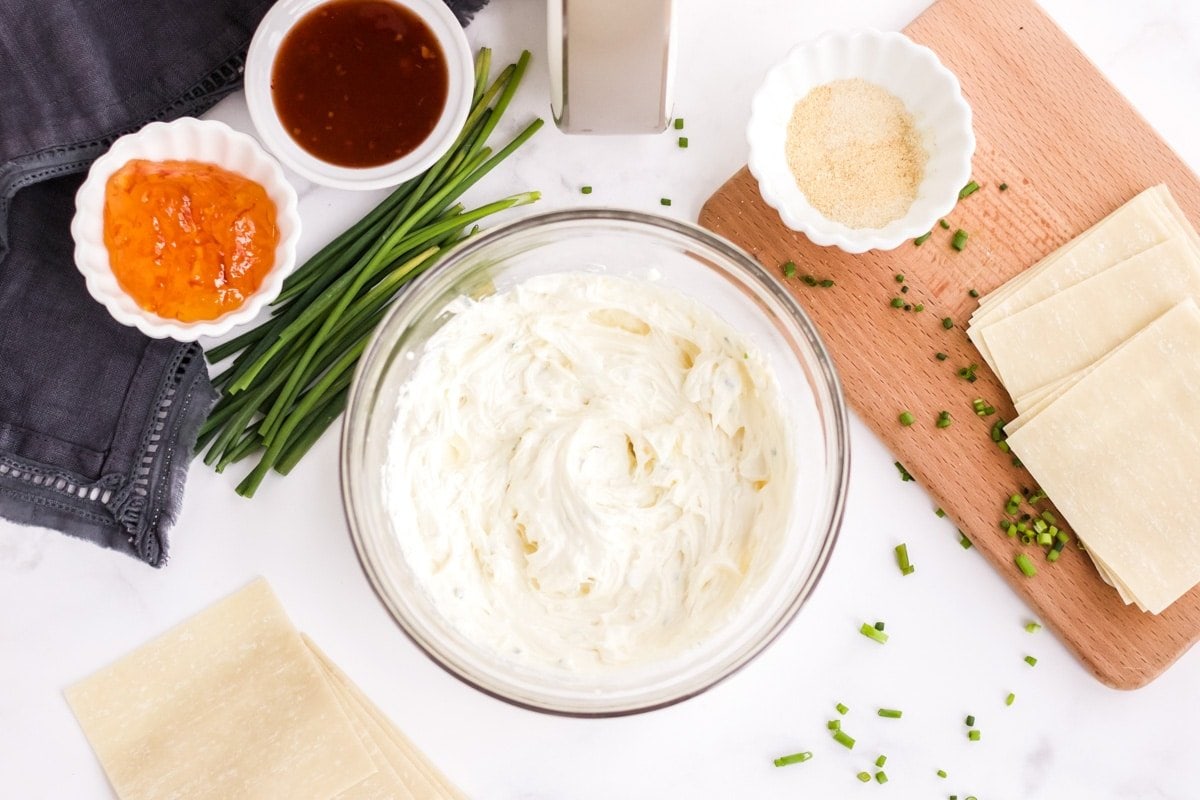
(359, 83)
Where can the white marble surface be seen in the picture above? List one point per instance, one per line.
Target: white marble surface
(67, 608)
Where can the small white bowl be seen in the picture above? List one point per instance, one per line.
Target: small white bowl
(909, 71)
(186, 139)
(260, 60)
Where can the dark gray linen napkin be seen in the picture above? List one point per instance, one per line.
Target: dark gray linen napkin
(97, 422)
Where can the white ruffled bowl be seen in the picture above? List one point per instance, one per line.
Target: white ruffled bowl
(186, 139)
(909, 71)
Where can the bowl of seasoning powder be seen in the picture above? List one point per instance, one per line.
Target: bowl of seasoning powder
(861, 140)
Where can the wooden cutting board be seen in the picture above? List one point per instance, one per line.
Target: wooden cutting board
(1071, 149)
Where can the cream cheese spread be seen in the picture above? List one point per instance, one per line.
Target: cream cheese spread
(588, 472)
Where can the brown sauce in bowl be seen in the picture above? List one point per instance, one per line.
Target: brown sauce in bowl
(360, 83)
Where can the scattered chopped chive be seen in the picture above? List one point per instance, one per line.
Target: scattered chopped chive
(826, 283)
(973, 734)
(939, 513)
(683, 142)
(973, 292)
(1008, 701)
(870, 632)
(967, 373)
(897, 302)
(941, 773)
(922, 239)
(970, 720)
(809, 280)
(1045, 539)
(1032, 627)
(1062, 536)
(940, 356)
(998, 431)
(1003, 187)
(865, 777)
(880, 625)
(960, 240)
(844, 739)
(890, 713)
(964, 541)
(1026, 566)
(1010, 530)
(906, 567)
(665, 201)
(833, 724)
(899, 277)
(1049, 517)
(968, 190)
(945, 225)
(679, 123)
(943, 420)
(906, 418)
(789, 269)
(794, 758)
(919, 307)
(879, 762)
(842, 709)
(881, 777)
(1031, 661)
(903, 290)
(947, 323)
(585, 189)
(1037, 496)
(904, 476)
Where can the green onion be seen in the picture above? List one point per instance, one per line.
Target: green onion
(968, 190)
(973, 734)
(865, 777)
(585, 190)
(964, 541)
(826, 283)
(1026, 566)
(970, 720)
(809, 280)
(903, 290)
(664, 201)
(939, 513)
(1031, 661)
(890, 713)
(1003, 187)
(679, 123)
(844, 739)
(1037, 497)
(1049, 517)
(683, 142)
(940, 356)
(960, 240)
(904, 476)
(973, 292)
(842, 709)
(947, 323)
(941, 773)
(967, 373)
(906, 418)
(870, 632)
(880, 625)
(879, 762)
(899, 277)
(1008, 701)
(919, 307)
(897, 302)
(943, 419)
(906, 567)
(794, 758)
(1045, 539)
(833, 724)
(922, 239)
(881, 777)
(944, 225)
(789, 269)
(1032, 627)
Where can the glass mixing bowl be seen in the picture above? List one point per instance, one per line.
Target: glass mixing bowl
(676, 255)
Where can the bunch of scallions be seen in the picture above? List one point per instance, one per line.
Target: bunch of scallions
(290, 376)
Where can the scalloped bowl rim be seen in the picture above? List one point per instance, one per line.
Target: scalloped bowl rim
(87, 226)
(777, 185)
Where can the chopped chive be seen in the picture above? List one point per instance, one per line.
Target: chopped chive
(906, 418)
(1031, 661)
(794, 758)
(809, 280)
(970, 720)
(973, 292)
(842, 709)
(585, 189)
(879, 762)
(844, 739)
(833, 724)
(899, 277)
(679, 123)
(907, 307)
(903, 290)
(940, 356)
(973, 734)
(880, 625)
(1049, 517)
(890, 713)
(960, 240)
(881, 777)
(904, 475)
(1026, 566)
(947, 323)
(939, 513)
(870, 632)
(941, 773)
(945, 225)
(1045, 539)
(1062, 536)
(826, 283)
(1008, 701)
(897, 302)
(906, 567)
(922, 239)
(1003, 187)
(1032, 627)
(683, 142)
(919, 307)
(865, 777)
(1037, 497)
(967, 373)
(789, 269)
(964, 541)
(943, 419)
(968, 190)
(665, 201)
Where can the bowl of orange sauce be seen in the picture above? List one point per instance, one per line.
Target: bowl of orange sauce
(185, 229)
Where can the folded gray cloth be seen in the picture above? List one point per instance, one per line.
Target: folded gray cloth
(97, 422)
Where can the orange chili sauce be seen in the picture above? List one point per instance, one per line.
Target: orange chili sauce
(186, 240)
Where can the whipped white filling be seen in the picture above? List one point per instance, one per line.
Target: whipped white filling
(587, 472)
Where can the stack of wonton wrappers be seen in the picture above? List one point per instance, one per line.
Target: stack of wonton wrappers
(1099, 346)
(235, 703)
